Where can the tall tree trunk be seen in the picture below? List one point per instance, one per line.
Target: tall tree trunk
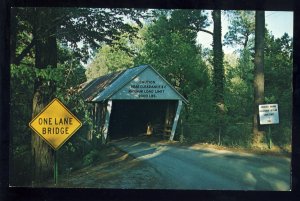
(218, 78)
(258, 74)
(45, 55)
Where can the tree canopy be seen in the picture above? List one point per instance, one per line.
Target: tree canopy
(81, 29)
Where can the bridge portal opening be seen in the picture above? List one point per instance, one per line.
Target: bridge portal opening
(130, 118)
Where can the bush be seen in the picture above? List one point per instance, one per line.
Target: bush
(198, 132)
(237, 135)
(91, 157)
(281, 134)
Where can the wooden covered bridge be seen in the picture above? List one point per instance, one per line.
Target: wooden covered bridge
(132, 102)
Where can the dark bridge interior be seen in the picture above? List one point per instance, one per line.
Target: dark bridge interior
(130, 117)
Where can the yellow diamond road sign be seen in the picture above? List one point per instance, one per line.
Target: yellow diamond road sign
(55, 124)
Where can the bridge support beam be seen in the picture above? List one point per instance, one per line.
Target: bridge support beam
(179, 106)
(106, 123)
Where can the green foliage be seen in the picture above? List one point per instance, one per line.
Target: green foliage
(91, 157)
(237, 135)
(81, 29)
(241, 29)
(109, 59)
(239, 89)
(278, 84)
(201, 114)
(170, 48)
(21, 89)
(116, 56)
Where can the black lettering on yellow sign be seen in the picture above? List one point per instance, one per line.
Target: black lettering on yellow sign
(55, 130)
(55, 121)
(61, 124)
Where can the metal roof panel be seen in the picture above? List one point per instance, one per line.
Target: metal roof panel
(92, 88)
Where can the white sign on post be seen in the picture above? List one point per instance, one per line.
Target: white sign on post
(268, 114)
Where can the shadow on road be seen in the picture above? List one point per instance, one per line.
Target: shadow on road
(211, 169)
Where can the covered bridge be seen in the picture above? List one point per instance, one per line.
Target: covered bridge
(131, 102)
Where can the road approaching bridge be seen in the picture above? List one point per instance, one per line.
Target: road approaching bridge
(205, 169)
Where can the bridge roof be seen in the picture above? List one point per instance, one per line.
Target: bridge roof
(118, 85)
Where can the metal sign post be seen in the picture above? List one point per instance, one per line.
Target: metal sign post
(55, 124)
(55, 169)
(269, 138)
(268, 114)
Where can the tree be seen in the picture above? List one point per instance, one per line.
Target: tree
(89, 26)
(259, 79)
(111, 58)
(278, 84)
(241, 34)
(218, 55)
(239, 78)
(218, 69)
(36, 33)
(170, 47)
(241, 28)
(42, 154)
